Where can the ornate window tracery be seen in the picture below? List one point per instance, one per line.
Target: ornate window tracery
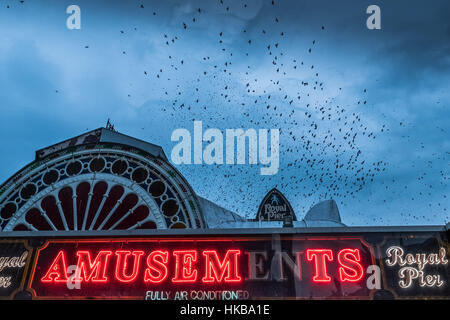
(107, 188)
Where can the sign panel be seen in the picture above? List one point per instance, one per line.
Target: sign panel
(14, 260)
(358, 265)
(416, 266)
(236, 267)
(275, 207)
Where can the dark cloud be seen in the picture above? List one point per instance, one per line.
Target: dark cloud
(156, 68)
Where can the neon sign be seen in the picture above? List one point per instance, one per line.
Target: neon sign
(412, 266)
(169, 268)
(94, 270)
(14, 261)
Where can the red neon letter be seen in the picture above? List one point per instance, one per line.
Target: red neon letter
(95, 270)
(349, 259)
(183, 266)
(57, 271)
(156, 261)
(229, 265)
(121, 265)
(319, 256)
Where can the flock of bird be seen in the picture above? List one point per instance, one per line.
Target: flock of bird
(320, 157)
(249, 81)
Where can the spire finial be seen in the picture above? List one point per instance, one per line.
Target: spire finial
(109, 125)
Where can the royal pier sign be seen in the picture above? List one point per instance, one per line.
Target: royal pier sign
(275, 207)
(14, 262)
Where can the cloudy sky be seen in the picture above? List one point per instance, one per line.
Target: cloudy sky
(364, 114)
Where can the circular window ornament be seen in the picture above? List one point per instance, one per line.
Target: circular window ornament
(50, 177)
(157, 188)
(28, 191)
(170, 208)
(97, 164)
(119, 167)
(139, 175)
(8, 210)
(73, 168)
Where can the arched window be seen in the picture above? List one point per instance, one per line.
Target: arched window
(107, 188)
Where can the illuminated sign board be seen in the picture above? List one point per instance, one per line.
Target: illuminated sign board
(229, 266)
(14, 260)
(416, 266)
(203, 268)
(275, 207)
(408, 273)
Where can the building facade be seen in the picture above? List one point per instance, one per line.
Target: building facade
(105, 215)
(104, 180)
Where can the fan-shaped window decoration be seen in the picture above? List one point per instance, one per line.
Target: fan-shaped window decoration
(126, 207)
(38, 220)
(50, 209)
(147, 225)
(82, 190)
(21, 227)
(113, 200)
(135, 220)
(110, 207)
(96, 201)
(65, 197)
(102, 189)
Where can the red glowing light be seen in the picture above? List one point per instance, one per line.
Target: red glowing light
(156, 262)
(57, 271)
(183, 266)
(129, 267)
(92, 271)
(320, 256)
(121, 265)
(215, 270)
(349, 261)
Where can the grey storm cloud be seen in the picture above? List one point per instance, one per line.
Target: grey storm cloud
(310, 68)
